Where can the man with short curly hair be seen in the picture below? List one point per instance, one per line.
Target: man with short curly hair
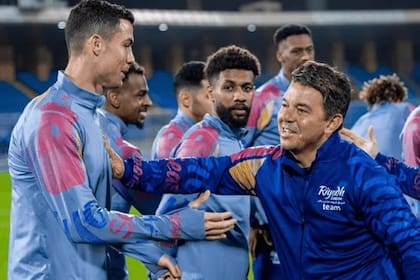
(387, 113)
(231, 72)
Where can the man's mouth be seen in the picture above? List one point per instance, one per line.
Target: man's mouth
(286, 130)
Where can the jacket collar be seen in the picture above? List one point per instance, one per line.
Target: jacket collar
(117, 121)
(329, 150)
(85, 98)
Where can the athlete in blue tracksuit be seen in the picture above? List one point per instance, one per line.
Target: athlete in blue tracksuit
(61, 180)
(114, 128)
(207, 260)
(169, 136)
(231, 73)
(333, 212)
(194, 101)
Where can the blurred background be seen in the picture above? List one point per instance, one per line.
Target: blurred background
(364, 38)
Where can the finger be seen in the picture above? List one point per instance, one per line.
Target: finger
(253, 242)
(267, 240)
(219, 225)
(178, 272)
(216, 237)
(208, 216)
(346, 134)
(117, 164)
(371, 134)
(165, 262)
(218, 233)
(200, 200)
(165, 276)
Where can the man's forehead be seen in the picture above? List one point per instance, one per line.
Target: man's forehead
(125, 30)
(300, 93)
(238, 76)
(296, 41)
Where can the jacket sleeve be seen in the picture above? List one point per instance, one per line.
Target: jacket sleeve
(55, 155)
(227, 175)
(408, 178)
(182, 175)
(389, 217)
(148, 252)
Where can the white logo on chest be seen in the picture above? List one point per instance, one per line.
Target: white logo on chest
(331, 199)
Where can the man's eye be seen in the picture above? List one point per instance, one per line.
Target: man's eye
(248, 88)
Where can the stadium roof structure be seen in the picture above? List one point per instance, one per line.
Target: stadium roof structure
(14, 15)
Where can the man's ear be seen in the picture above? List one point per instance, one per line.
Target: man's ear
(185, 98)
(96, 44)
(279, 54)
(112, 99)
(334, 123)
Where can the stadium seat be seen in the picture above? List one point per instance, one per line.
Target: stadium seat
(31, 81)
(162, 90)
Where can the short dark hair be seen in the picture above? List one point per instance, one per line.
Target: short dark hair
(189, 75)
(231, 57)
(134, 68)
(385, 88)
(90, 17)
(288, 30)
(333, 85)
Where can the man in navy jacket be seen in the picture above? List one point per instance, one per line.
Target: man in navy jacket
(333, 212)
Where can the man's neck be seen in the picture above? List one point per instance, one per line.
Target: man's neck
(77, 70)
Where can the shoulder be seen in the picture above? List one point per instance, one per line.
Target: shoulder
(199, 140)
(272, 152)
(202, 133)
(170, 132)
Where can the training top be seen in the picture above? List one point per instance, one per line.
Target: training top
(61, 180)
(169, 135)
(204, 259)
(387, 120)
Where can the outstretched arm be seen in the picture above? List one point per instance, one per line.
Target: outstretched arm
(56, 151)
(408, 178)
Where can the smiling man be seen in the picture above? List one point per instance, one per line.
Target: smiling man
(333, 213)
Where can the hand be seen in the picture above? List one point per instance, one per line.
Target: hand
(117, 163)
(216, 224)
(369, 146)
(168, 276)
(256, 236)
(173, 270)
(253, 241)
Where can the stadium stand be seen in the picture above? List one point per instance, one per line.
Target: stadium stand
(31, 81)
(162, 90)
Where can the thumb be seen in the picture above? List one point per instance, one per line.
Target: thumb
(200, 199)
(371, 134)
(166, 262)
(117, 163)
